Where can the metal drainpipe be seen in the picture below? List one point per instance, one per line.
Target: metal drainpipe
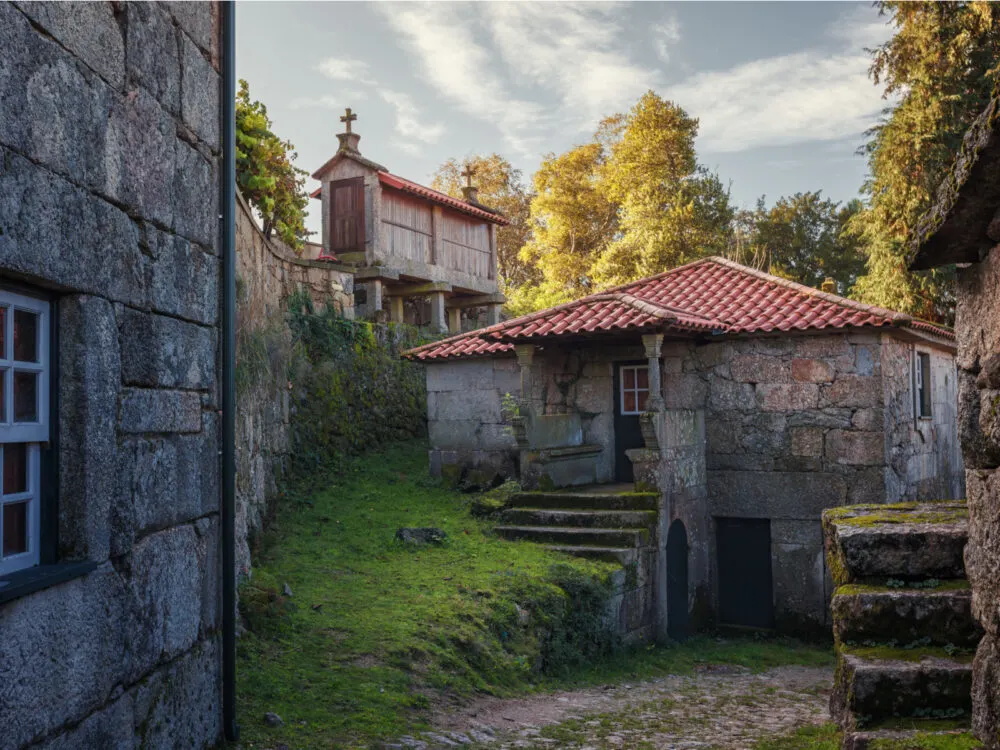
(228, 504)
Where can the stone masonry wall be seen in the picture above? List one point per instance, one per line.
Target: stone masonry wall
(978, 324)
(109, 159)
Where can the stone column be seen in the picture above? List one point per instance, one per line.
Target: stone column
(373, 300)
(525, 360)
(396, 309)
(454, 320)
(438, 322)
(653, 343)
(493, 314)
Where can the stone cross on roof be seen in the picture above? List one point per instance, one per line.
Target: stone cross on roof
(467, 173)
(348, 118)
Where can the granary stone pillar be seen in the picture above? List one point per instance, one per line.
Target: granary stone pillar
(396, 309)
(373, 296)
(454, 320)
(493, 314)
(438, 322)
(525, 360)
(653, 343)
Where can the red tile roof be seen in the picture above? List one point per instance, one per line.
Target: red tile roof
(709, 295)
(408, 186)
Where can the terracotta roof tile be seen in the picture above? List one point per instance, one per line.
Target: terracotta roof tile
(713, 294)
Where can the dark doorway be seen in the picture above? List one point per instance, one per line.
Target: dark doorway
(631, 389)
(744, 551)
(677, 582)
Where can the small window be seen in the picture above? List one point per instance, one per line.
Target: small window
(922, 384)
(634, 388)
(24, 426)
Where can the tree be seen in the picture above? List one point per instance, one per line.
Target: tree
(943, 62)
(801, 238)
(501, 187)
(265, 174)
(670, 209)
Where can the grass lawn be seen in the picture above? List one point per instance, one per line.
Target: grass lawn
(827, 737)
(375, 631)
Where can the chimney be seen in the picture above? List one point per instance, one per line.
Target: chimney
(829, 286)
(348, 140)
(470, 193)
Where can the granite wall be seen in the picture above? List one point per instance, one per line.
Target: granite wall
(109, 164)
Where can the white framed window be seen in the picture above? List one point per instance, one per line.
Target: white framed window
(922, 384)
(634, 388)
(24, 426)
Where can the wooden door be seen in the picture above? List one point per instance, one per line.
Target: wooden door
(743, 547)
(631, 390)
(347, 215)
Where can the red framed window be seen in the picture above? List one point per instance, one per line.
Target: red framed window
(634, 380)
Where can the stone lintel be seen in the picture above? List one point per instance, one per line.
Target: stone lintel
(418, 290)
(478, 300)
(376, 272)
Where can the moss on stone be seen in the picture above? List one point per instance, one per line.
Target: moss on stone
(946, 511)
(895, 653)
(882, 587)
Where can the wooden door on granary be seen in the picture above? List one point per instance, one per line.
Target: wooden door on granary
(631, 391)
(347, 215)
(743, 548)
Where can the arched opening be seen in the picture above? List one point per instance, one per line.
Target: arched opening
(677, 582)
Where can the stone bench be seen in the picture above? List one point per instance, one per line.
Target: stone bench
(553, 453)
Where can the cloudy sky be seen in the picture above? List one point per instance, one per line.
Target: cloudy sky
(780, 89)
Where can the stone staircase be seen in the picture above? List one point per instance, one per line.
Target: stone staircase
(601, 522)
(902, 620)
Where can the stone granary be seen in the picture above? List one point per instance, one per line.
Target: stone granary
(964, 228)
(110, 563)
(748, 402)
(408, 241)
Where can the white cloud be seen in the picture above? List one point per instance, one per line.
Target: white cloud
(344, 69)
(408, 121)
(328, 101)
(666, 34)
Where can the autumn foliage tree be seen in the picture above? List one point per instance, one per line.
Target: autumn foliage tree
(265, 174)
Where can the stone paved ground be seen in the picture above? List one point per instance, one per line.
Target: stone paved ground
(717, 708)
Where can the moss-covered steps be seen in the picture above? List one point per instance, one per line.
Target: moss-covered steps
(902, 621)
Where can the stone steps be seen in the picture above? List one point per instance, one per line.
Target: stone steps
(574, 537)
(621, 555)
(937, 616)
(590, 518)
(584, 500)
(877, 684)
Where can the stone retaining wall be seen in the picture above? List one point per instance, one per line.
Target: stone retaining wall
(109, 159)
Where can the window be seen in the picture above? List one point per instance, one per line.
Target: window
(922, 384)
(634, 388)
(24, 426)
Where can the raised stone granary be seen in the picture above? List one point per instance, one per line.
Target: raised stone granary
(109, 288)
(422, 256)
(747, 402)
(964, 228)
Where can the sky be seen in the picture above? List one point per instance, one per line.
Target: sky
(781, 89)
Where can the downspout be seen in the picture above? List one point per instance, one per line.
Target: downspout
(228, 504)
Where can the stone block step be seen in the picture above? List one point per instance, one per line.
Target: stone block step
(583, 500)
(908, 541)
(879, 684)
(937, 616)
(879, 739)
(593, 518)
(628, 538)
(620, 555)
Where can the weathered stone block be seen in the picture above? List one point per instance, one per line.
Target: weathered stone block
(807, 441)
(764, 433)
(153, 58)
(161, 351)
(110, 727)
(482, 406)
(199, 93)
(209, 564)
(90, 371)
(88, 30)
(982, 554)
(811, 371)
(453, 434)
(184, 279)
(689, 391)
(773, 494)
(855, 448)
(725, 395)
(977, 312)
(798, 574)
(867, 486)
(147, 410)
(986, 691)
(756, 368)
(195, 196)
(853, 391)
(829, 417)
(978, 423)
(197, 20)
(868, 419)
(460, 376)
(787, 397)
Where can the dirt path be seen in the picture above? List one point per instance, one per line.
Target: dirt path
(719, 707)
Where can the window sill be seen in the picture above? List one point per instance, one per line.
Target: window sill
(28, 581)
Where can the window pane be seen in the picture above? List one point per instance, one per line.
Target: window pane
(25, 336)
(3, 333)
(15, 468)
(629, 401)
(642, 375)
(15, 529)
(641, 397)
(25, 397)
(628, 377)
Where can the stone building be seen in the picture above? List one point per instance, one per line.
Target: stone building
(750, 403)
(409, 243)
(109, 331)
(964, 228)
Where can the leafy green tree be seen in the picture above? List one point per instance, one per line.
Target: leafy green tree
(501, 187)
(265, 174)
(942, 62)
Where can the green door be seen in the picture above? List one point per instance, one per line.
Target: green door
(631, 389)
